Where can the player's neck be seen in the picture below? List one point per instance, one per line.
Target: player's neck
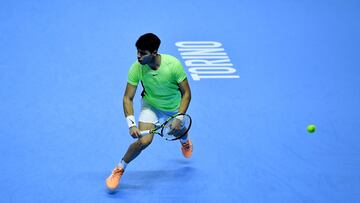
(155, 64)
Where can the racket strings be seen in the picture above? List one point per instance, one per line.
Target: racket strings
(176, 128)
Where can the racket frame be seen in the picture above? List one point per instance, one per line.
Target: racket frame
(160, 132)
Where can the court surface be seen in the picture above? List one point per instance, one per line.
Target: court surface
(63, 70)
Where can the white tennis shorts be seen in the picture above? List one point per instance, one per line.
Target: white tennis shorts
(150, 114)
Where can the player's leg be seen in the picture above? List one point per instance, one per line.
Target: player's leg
(133, 151)
(147, 121)
(136, 148)
(185, 141)
(186, 146)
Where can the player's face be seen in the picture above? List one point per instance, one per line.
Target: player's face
(144, 56)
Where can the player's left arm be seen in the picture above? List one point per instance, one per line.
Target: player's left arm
(185, 95)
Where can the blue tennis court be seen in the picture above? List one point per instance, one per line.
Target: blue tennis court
(260, 72)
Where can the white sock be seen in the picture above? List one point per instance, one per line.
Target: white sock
(122, 164)
(184, 139)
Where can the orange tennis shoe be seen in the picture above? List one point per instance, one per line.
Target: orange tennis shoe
(187, 148)
(112, 182)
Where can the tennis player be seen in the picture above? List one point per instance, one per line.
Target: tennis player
(166, 92)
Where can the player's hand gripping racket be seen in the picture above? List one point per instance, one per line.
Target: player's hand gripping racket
(173, 128)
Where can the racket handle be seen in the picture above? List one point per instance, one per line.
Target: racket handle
(144, 132)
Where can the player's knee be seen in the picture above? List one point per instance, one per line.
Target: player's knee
(145, 143)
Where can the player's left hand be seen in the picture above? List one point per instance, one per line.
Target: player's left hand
(175, 127)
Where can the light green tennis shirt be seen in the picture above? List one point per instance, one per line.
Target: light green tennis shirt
(161, 88)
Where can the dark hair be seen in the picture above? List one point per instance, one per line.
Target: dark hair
(148, 41)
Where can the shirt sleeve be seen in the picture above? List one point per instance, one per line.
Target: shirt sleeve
(180, 73)
(134, 75)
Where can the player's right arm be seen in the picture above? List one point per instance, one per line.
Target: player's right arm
(129, 109)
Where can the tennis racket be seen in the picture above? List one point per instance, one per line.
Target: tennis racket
(173, 128)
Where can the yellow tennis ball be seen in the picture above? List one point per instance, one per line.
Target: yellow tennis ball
(311, 128)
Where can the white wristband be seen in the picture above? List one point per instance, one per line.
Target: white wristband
(131, 121)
